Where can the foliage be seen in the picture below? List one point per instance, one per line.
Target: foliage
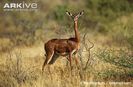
(20, 27)
(110, 9)
(119, 58)
(116, 75)
(123, 31)
(123, 61)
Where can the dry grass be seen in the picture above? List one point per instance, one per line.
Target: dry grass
(22, 68)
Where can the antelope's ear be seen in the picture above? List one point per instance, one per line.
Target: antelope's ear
(80, 13)
(69, 14)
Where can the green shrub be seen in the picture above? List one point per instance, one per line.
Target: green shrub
(121, 31)
(119, 58)
(110, 8)
(113, 75)
(123, 61)
(60, 12)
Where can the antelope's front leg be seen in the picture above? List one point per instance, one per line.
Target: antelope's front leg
(76, 61)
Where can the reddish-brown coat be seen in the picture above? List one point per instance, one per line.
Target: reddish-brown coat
(63, 47)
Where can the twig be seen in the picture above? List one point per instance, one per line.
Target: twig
(87, 48)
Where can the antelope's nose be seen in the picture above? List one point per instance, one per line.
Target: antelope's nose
(76, 18)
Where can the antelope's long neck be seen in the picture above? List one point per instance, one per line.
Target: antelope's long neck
(77, 37)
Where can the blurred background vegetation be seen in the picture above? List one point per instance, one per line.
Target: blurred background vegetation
(108, 18)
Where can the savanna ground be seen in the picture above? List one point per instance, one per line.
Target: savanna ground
(106, 23)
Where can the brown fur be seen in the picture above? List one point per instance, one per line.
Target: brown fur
(62, 47)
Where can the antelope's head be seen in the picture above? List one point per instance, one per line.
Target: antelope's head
(75, 17)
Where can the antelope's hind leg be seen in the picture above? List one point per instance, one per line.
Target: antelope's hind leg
(49, 57)
(70, 60)
(77, 61)
(54, 58)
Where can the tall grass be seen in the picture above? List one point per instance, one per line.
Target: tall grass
(14, 73)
